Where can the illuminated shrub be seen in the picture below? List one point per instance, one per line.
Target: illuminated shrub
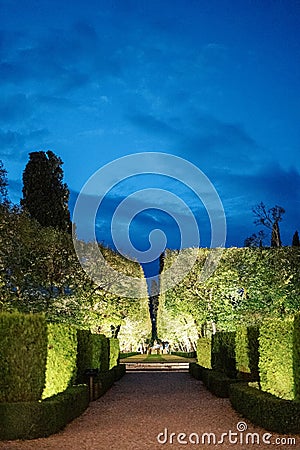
(23, 352)
(204, 352)
(276, 354)
(114, 351)
(61, 358)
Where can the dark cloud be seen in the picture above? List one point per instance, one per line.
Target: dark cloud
(151, 124)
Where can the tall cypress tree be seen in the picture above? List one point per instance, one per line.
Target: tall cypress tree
(45, 196)
(296, 240)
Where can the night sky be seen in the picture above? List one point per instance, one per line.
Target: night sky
(214, 82)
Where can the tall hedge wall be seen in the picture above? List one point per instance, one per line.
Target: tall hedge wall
(204, 352)
(89, 355)
(104, 353)
(246, 352)
(223, 353)
(296, 357)
(114, 352)
(61, 358)
(23, 353)
(276, 357)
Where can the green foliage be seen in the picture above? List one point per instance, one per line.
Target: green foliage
(204, 352)
(223, 353)
(23, 351)
(296, 356)
(246, 352)
(265, 410)
(276, 357)
(247, 285)
(114, 352)
(61, 359)
(45, 196)
(104, 353)
(32, 420)
(40, 272)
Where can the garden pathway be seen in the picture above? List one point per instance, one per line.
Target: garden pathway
(142, 405)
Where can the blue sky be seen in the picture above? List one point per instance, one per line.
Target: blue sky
(216, 83)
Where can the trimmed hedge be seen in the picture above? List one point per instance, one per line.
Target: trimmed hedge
(114, 352)
(104, 353)
(61, 359)
(184, 354)
(296, 357)
(128, 354)
(276, 358)
(195, 370)
(88, 353)
(104, 380)
(223, 353)
(246, 352)
(265, 410)
(23, 353)
(31, 420)
(204, 352)
(216, 382)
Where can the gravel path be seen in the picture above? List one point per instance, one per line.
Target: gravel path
(142, 405)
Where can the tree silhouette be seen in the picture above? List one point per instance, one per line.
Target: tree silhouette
(296, 240)
(269, 218)
(255, 240)
(45, 196)
(3, 184)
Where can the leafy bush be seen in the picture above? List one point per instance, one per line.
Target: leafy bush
(88, 353)
(204, 352)
(61, 359)
(223, 353)
(114, 352)
(35, 419)
(246, 351)
(23, 352)
(265, 410)
(276, 357)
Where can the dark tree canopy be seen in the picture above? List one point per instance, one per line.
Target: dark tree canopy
(296, 240)
(45, 196)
